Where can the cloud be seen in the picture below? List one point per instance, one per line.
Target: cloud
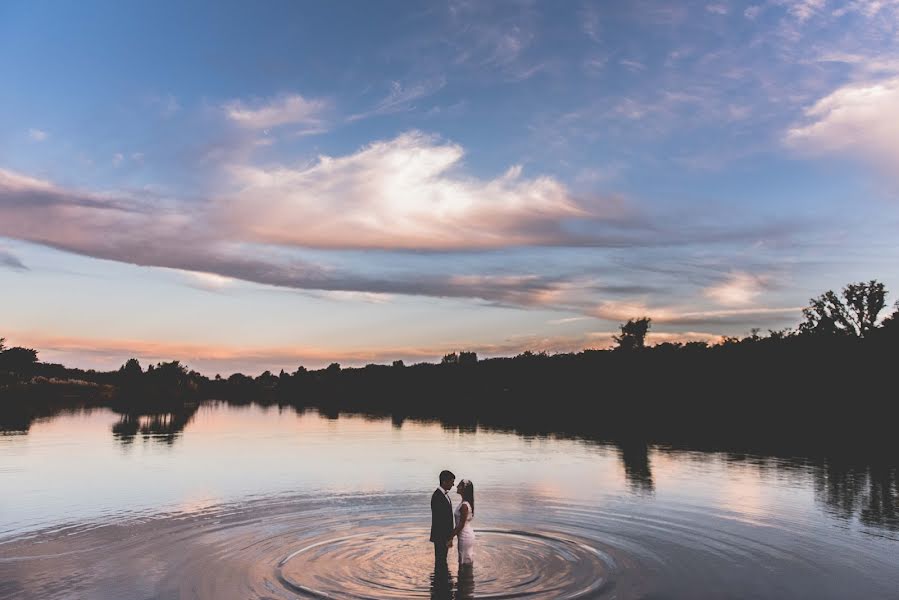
(402, 97)
(632, 65)
(207, 281)
(38, 135)
(803, 10)
(718, 8)
(404, 193)
(9, 260)
(286, 109)
(590, 23)
(117, 159)
(869, 8)
(400, 197)
(672, 315)
(856, 119)
(752, 12)
(739, 289)
(159, 232)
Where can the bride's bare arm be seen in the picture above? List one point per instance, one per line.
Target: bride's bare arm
(463, 518)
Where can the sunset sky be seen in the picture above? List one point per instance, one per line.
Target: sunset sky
(251, 186)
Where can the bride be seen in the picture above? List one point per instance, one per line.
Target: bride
(464, 515)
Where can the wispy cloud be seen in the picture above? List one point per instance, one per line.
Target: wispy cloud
(286, 109)
(752, 12)
(37, 135)
(803, 10)
(633, 65)
(402, 97)
(590, 22)
(673, 315)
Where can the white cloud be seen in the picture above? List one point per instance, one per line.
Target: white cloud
(739, 289)
(117, 159)
(37, 135)
(718, 8)
(856, 119)
(207, 281)
(752, 12)
(282, 110)
(403, 193)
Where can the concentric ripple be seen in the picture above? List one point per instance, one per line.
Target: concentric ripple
(510, 564)
(375, 546)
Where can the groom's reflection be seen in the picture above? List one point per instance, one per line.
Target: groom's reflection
(441, 583)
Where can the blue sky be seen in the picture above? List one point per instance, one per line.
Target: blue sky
(250, 187)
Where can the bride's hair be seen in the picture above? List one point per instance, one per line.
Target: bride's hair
(468, 494)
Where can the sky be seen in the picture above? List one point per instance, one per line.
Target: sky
(246, 187)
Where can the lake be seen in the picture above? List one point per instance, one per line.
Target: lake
(224, 501)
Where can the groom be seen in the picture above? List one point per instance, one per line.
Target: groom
(443, 521)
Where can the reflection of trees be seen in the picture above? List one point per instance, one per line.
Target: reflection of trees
(637, 470)
(855, 490)
(163, 427)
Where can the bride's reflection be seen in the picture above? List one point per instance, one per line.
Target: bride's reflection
(465, 583)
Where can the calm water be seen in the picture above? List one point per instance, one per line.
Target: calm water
(247, 502)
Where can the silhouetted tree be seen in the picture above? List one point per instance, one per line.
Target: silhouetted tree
(468, 358)
(399, 363)
(891, 323)
(633, 334)
(854, 314)
(18, 360)
(132, 368)
(450, 359)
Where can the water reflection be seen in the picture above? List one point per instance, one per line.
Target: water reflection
(863, 489)
(441, 584)
(164, 427)
(869, 492)
(465, 587)
(635, 457)
(268, 502)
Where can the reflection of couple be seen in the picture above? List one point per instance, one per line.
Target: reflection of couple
(448, 522)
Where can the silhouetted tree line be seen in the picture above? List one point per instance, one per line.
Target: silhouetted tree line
(829, 381)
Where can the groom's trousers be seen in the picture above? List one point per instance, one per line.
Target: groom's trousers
(440, 552)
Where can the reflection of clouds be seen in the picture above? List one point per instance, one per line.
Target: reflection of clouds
(752, 488)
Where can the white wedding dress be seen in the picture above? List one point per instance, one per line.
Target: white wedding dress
(466, 537)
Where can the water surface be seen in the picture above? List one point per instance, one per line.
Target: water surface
(240, 502)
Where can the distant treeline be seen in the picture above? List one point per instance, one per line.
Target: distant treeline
(830, 381)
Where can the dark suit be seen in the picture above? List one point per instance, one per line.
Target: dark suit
(442, 525)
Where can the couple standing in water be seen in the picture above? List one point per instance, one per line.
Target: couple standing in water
(449, 521)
